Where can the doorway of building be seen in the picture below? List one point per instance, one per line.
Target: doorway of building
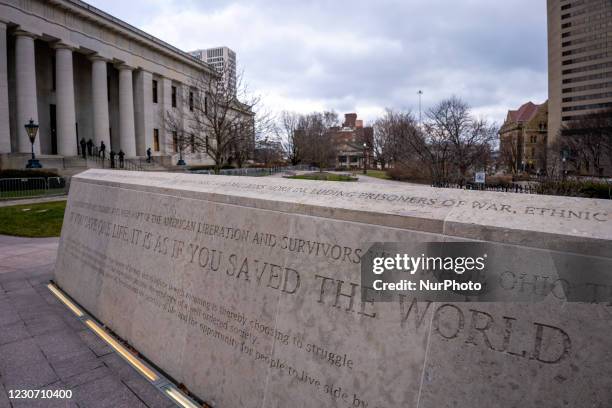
(53, 129)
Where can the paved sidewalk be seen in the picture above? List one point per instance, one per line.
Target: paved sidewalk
(43, 345)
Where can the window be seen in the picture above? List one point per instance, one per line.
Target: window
(154, 91)
(174, 141)
(206, 144)
(191, 101)
(206, 108)
(156, 140)
(174, 96)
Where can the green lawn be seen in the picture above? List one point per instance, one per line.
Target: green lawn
(381, 174)
(323, 176)
(33, 220)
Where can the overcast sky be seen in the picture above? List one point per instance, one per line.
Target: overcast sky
(361, 56)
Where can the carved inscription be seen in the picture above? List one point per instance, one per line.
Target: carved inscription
(470, 326)
(407, 200)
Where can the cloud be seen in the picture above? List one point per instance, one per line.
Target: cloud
(363, 56)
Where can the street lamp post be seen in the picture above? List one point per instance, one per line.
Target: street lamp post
(180, 161)
(564, 167)
(365, 158)
(32, 130)
(420, 93)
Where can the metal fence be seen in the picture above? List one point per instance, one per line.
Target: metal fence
(510, 188)
(31, 187)
(572, 188)
(256, 171)
(137, 164)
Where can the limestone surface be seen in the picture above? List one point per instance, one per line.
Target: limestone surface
(247, 290)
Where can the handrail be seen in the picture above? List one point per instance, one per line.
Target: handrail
(134, 164)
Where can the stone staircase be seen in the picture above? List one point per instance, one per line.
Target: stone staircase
(75, 165)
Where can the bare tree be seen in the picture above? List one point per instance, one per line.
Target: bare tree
(314, 140)
(216, 119)
(268, 151)
(587, 142)
(509, 152)
(174, 123)
(384, 141)
(400, 140)
(469, 139)
(286, 130)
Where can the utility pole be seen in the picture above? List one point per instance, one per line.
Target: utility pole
(420, 93)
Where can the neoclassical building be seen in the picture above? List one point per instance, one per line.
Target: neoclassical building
(81, 73)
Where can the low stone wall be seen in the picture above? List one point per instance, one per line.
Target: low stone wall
(247, 290)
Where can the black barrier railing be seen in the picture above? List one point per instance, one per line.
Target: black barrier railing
(106, 162)
(510, 188)
(258, 171)
(32, 187)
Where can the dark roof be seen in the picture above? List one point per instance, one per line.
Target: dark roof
(525, 113)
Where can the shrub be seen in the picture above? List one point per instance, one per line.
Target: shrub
(27, 173)
(575, 188)
(410, 172)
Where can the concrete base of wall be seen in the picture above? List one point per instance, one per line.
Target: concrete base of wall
(67, 164)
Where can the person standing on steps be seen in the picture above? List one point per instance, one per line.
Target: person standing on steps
(121, 156)
(102, 149)
(149, 155)
(90, 147)
(83, 146)
(112, 159)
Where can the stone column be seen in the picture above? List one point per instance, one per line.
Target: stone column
(99, 99)
(66, 116)
(127, 137)
(166, 137)
(5, 129)
(25, 78)
(143, 111)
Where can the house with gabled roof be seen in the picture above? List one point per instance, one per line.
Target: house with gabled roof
(523, 138)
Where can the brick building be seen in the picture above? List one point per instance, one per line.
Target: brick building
(349, 142)
(523, 138)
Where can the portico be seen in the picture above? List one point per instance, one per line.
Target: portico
(82, 74)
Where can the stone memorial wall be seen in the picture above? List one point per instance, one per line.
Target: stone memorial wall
(247, 290)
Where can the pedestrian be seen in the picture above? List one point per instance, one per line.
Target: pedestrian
(90, 144)
(102, 149)
(83, 145)
(112, 158)
(149, 155)
(121, 156)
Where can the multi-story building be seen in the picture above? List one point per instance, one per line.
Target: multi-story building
(80, 73)
(224, 61)
(349, 140)
(523, 139)
(579, 60)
